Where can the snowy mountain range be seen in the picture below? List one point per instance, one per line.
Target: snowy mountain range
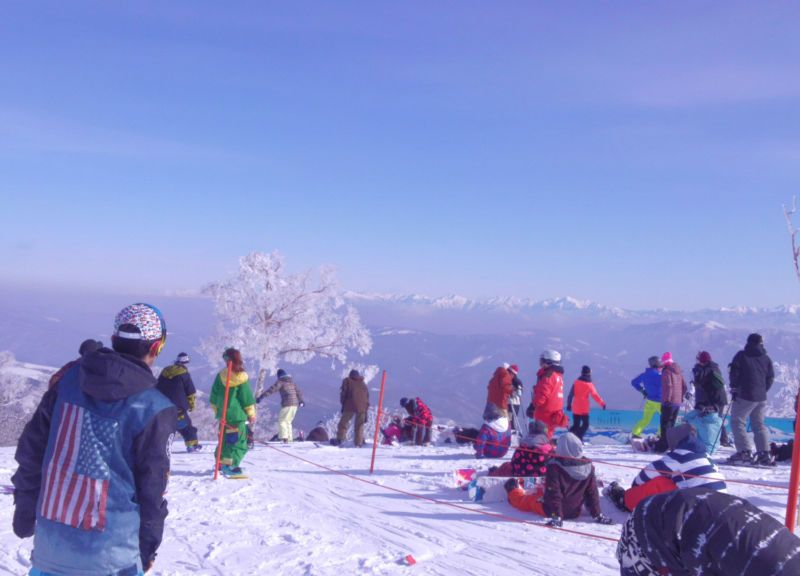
(442, 349)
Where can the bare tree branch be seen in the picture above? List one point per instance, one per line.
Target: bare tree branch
(793, 234)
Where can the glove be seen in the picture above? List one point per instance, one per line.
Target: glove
(604, 406)
(555, 522)
(688, 396)
(644, 393)
(734, 394)
(302, 404)
(258, 399)
(511, 484)
(23, 526)
(602, 519)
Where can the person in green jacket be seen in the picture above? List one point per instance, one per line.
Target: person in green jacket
(241, 410)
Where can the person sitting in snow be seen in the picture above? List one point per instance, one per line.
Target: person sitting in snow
(569, 485)
(531, 456)
(420, 417)
(702, 531)
(241, 411)
(291, 399)
(318, 433)
(393, 433)
(494, 439)
(175, 383)
(578, 402)
(684, 466)
(548, 393)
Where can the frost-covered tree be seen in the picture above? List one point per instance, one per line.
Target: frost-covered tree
(273, 316)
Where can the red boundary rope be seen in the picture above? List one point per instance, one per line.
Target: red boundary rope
(435, 501)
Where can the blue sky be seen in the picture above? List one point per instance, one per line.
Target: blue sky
(636, 154)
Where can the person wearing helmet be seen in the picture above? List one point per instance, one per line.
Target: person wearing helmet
(648, 384)
(175, 383)
(94, 458)
(548, 393)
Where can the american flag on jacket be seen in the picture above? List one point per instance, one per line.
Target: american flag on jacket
(77, 478)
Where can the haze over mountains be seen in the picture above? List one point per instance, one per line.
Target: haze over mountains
(442, 349)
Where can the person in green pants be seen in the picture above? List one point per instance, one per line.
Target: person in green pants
(648, 383)
(241, 410)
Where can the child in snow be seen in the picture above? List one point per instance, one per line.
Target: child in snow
(684, 466)
(291, 399)
(494, 439)
(420, 417)
(569, 484)
(318, 433)
(241, 411)
(578, 402)
(701, 531)
(393, 432)
(531, 457)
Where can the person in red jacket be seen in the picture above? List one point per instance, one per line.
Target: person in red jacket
(578, 402)
(420, 417)
(548, 394)
(498, 394)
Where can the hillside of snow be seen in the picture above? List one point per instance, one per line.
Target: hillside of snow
(309, 510)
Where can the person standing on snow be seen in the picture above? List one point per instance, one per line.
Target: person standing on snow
(752, 375)
(420, 417)
(291, 399)
(648, 383)
(516, 397)
(94, 458)
(241, 411)
(548, 394)
(703, 531)
(175, 383)
(354, 396)
(498, 394)
(578, 402)
(709, 390)
(673, 391)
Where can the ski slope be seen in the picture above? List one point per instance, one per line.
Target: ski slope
(294, 518)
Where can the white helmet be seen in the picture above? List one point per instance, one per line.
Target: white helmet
(551, 357)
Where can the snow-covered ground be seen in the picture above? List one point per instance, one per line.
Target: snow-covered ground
(294, 518)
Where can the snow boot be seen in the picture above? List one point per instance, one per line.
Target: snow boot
(742, 458)
(764, 458)
(616, 494)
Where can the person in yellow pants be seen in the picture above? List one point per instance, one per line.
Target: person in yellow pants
(648, 383)
(291, 399)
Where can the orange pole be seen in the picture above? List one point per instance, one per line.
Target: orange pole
(794, 478)
(378, 422)
(222, 420)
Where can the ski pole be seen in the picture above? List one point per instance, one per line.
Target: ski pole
(719, 432)
(223, 420)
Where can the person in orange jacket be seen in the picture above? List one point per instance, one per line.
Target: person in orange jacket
(498, 393)
(578, 402)
(548, 394)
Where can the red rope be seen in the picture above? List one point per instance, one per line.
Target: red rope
(435, 501)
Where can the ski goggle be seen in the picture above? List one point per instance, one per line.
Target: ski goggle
(160, 344)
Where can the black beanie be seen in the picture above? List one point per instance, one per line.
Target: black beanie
(755, 339)
(586, 371)
(354, 374)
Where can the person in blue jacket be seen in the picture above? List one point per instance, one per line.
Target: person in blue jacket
(648, 383)
(94, 459)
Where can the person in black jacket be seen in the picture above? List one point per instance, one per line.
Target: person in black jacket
(702, 531)
(709, 390)
(175, 383)
(94, 459)
(751, 378)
